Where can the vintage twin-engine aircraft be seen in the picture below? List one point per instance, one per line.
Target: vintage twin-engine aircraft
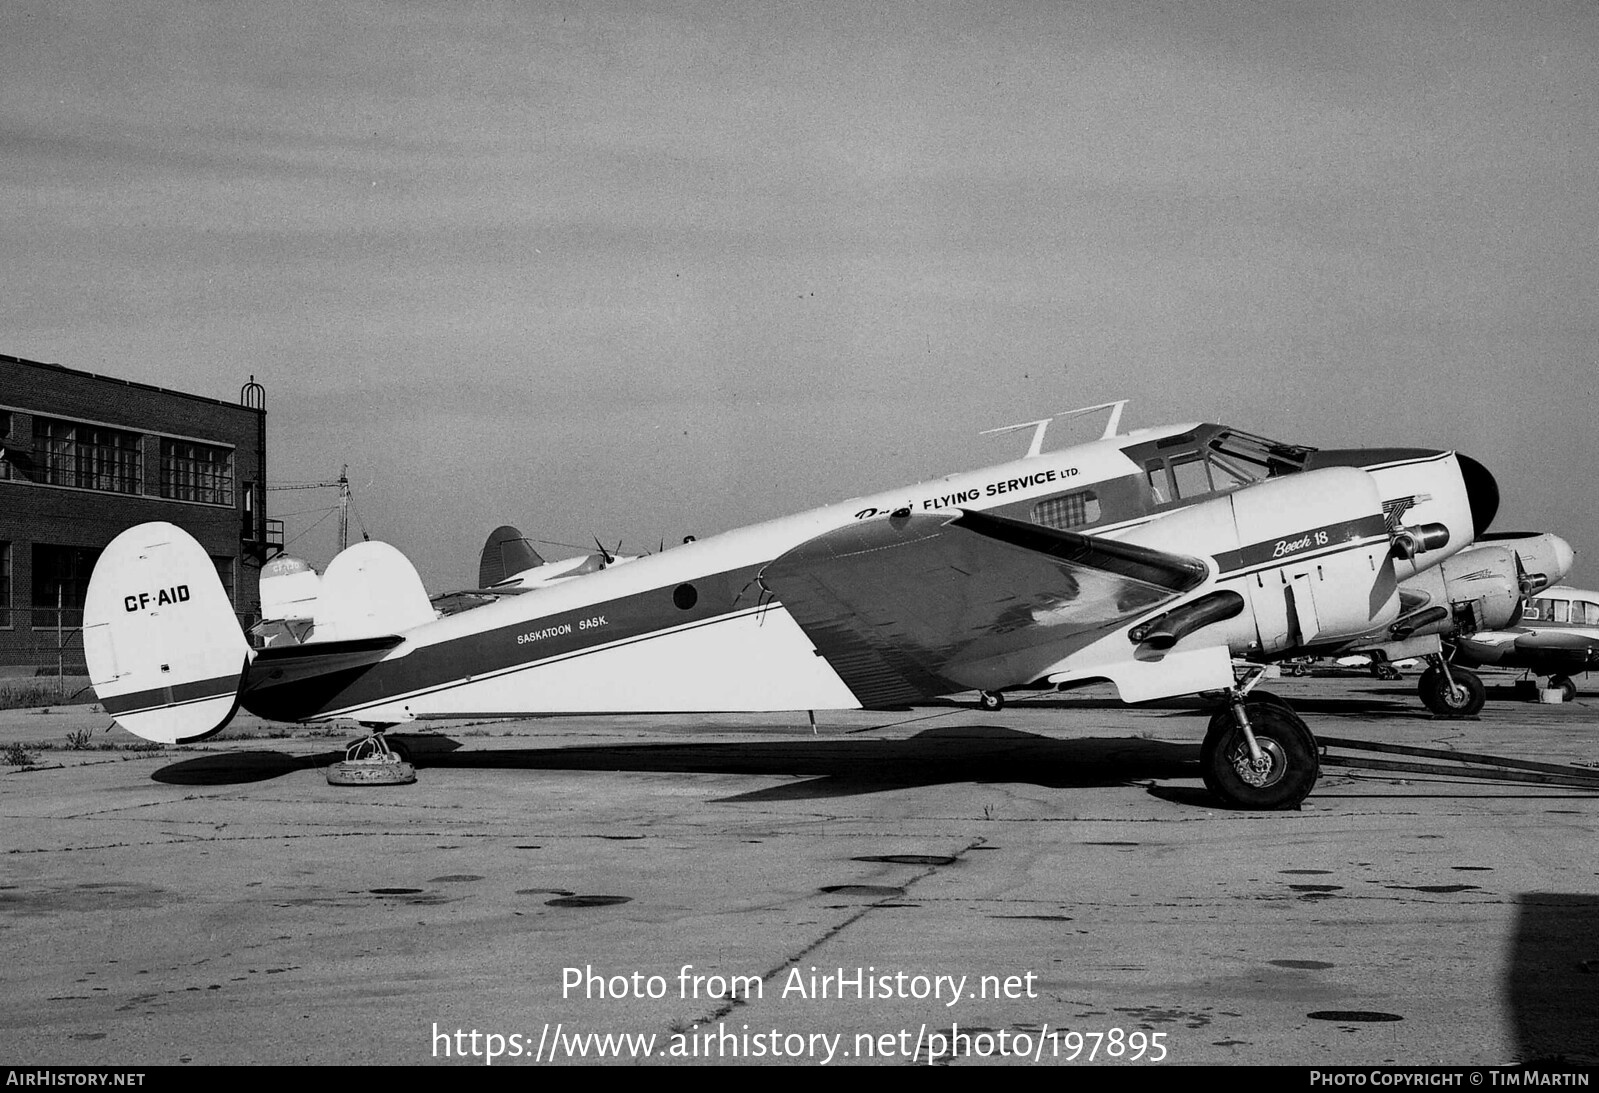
(1556, 636)
(1148, 559)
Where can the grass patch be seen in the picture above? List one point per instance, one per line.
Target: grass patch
(18, 756)
(21, 694)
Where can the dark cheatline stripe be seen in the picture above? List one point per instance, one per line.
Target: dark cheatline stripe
(1303, 544)
(515, 645)
(182, 694)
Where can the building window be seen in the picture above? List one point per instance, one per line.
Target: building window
(90, 457)
(61, 576)
(5, 584)
(1070, 511)
(196, 472)
(6, 446)
(224, 568)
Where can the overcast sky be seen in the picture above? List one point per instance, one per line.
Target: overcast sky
(639, 270)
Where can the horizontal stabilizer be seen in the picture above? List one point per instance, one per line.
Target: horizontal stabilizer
(369, 590)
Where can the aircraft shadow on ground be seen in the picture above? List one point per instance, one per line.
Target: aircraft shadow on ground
(1553, 978)
(232, 768)
(834, 767)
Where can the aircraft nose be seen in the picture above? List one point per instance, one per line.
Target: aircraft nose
(1482, 492)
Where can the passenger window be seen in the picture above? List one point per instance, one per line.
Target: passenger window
(1070, 511)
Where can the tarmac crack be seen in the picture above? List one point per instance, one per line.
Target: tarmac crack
(834, 931)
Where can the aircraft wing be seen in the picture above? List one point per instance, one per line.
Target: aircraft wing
(1560, 650)
(899, 606)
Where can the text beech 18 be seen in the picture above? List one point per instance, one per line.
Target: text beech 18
(1150, 559)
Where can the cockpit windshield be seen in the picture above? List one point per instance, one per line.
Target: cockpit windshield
(1212, 459)
(1249, 458)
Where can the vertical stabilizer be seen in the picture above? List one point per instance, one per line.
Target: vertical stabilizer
(164, 649)
(507, 552)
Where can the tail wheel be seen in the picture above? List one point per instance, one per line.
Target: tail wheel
(1464, 699)
(1286, 771)
(990, 700)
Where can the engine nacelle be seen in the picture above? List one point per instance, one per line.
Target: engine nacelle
(1311, 555)
(1480, 589)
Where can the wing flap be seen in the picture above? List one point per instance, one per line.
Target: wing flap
(899, 606)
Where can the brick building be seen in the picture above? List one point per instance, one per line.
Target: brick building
(84, 457)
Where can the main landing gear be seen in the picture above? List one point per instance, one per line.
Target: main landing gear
(373, 761)
(1563, 684)
(1450, 691)
(1258, 753)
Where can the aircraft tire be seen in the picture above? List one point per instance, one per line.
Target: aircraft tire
(992, 701)
(1564, 684)
(1270, 698)
(1465, 699)
(1292, 761)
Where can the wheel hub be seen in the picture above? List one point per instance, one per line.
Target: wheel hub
(1269, 771)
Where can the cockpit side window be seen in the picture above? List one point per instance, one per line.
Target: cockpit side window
(1589, 612)
(1559, 610)
(1190, 477)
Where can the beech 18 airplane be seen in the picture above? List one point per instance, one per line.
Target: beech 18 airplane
(1149, 559)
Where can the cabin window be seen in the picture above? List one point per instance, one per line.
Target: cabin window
(1589, 613)
(196, 472)
(1559, 610)
(1072, 510)
(89, 457)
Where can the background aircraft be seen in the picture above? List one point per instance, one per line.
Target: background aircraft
(1149, 560)
(1557, 637)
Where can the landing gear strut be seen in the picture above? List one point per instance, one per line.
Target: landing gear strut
(1258, 753)
(1451, 691)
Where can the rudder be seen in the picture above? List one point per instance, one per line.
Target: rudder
(164, 649)
(507, 551)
